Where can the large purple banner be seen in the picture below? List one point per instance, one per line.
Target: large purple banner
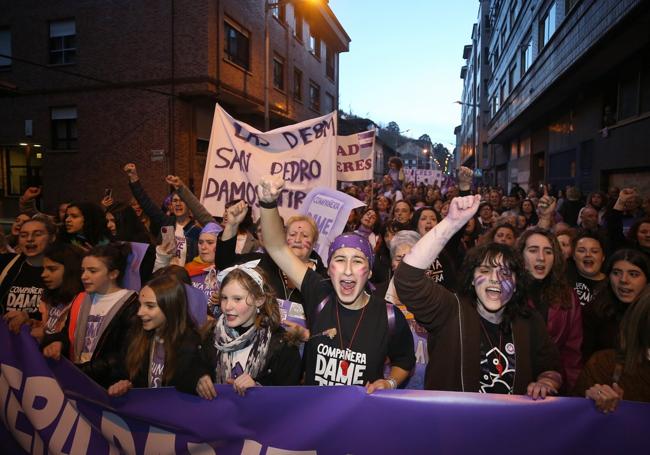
(50, 406)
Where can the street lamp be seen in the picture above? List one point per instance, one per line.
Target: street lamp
(466, 104)
(268, 6)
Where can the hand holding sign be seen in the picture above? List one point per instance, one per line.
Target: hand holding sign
(168, 243)
(270, 188)
(119, 388)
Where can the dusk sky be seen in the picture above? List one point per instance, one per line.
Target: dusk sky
(404, 62)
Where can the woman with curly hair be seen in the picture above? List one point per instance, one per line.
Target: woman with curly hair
(483, 339)
(85, 225)
(553, 298)
(124, 225)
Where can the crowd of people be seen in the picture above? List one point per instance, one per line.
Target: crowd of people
(520, 293)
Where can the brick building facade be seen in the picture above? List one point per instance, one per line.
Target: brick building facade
(93, 85)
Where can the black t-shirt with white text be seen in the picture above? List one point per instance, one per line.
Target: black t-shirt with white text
(25, 290)
(586, 289)
(336, 361)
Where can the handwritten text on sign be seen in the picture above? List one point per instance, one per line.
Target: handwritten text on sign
(239, 156)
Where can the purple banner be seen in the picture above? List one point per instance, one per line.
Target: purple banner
(51, 406)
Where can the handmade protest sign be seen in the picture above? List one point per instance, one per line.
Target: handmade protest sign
(304, 155)
(330, 210)
(355, 156)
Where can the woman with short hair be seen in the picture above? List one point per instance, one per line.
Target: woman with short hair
(353, 330)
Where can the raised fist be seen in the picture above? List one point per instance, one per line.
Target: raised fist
(31, 193)
(131, 171)
(236, 213)
(626, 195)
(462, 209)
(270, 187)
(174, 181)
(465, 175)
(546, 205)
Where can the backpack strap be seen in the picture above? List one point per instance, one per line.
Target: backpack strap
(8, 267)
(390, 317)
(321, 305)
(74, 314)
(3, 275)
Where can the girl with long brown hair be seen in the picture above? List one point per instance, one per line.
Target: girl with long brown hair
(166, 344)
(553, 298)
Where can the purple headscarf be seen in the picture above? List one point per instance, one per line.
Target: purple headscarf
(352, 240)
(211, 228)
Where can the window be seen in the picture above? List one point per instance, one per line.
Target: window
(628, 93)
(23, 168)
(278, 72)
(297, 84)
(526, 56)
(280, 12)
(63, 48)
(314, 45)
(237, 45)
(514, 150)
(513, 14)
(502, 93)
(5, 48)
(329, 103)
(330, 62)
(504, 38)
(569, 4)
(64, 128)
(298, 32)
(645, 87)
(314, 96)
(512, 75)
(547, 26)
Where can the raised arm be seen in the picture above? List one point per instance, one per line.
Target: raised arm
(429, 247)
(465, 176)
(546, 210)
(201, 215)
(614, 219)
(156, 215)
(27, 202)
(275, 243)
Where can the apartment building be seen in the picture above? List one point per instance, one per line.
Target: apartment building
(87, 86)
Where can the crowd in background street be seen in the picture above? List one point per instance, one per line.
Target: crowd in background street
(545, 284)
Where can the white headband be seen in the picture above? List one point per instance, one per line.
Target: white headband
(248, 268)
